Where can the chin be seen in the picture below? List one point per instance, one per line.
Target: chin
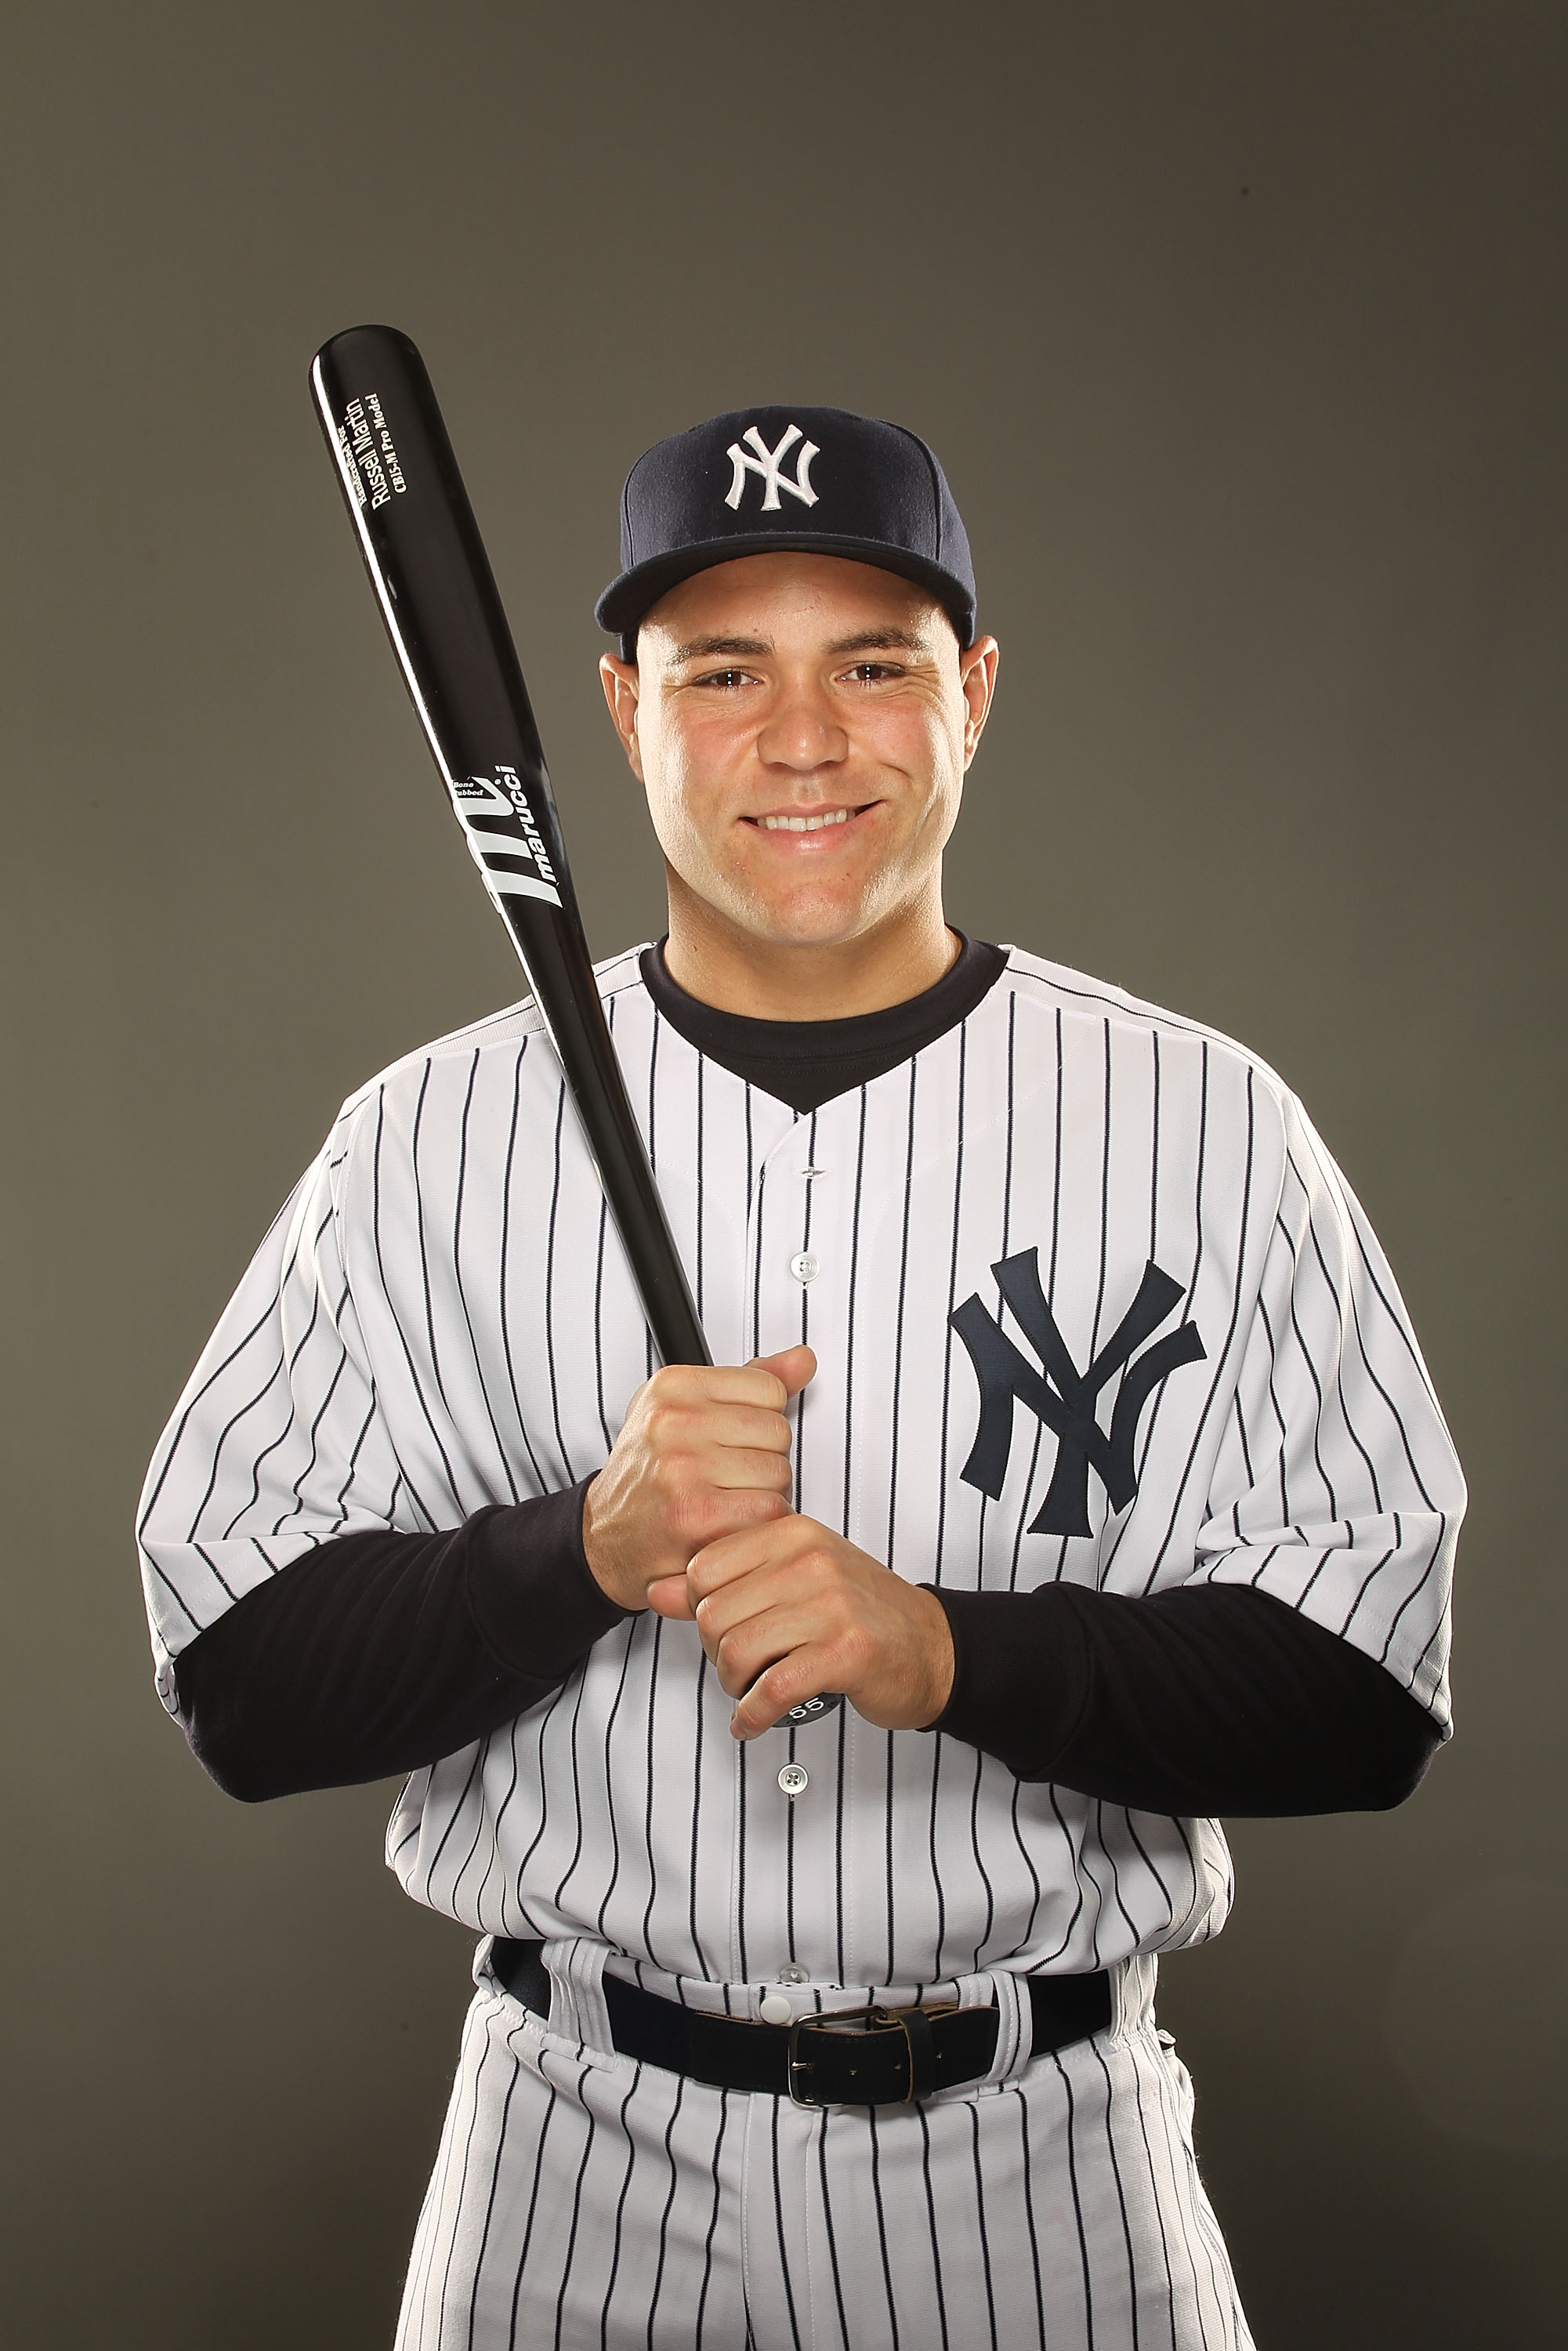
(808, 922)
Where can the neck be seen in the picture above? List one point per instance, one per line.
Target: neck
(775, 979)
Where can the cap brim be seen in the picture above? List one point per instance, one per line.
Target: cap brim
(628, 599)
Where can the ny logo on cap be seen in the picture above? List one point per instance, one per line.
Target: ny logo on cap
(766, 463)
(1066, 1397)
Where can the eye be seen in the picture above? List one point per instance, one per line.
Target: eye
(871, 673)
(725, 680)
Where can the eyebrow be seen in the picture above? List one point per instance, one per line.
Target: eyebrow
(866, 641)
(703, 648)
(871, 641)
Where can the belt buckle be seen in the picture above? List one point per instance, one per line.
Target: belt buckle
(841, 2022)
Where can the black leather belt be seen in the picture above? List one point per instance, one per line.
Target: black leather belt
(854, 2057)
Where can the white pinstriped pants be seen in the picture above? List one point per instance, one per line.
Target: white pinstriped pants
(583, 2201)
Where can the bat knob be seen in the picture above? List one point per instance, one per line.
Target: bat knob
(811, 1709)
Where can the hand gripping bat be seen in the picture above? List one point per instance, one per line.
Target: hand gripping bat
(438, 597)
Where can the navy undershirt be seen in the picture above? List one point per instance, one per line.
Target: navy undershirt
(380, 1653)
(807, 1062)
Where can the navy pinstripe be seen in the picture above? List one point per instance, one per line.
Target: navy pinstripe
(442, 1318)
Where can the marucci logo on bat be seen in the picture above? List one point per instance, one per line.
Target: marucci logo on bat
(502, 857)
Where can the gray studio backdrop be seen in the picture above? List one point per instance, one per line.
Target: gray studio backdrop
(1239, 329)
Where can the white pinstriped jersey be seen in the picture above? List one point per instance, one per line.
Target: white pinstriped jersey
(440, 1319)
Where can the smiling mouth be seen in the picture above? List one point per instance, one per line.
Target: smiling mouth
(806, 823)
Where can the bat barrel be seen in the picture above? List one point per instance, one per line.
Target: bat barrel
(438, 597)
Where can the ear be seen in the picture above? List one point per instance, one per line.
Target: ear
(619, 679)
(977, 681)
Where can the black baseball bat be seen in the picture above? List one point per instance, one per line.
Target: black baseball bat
(438, 597)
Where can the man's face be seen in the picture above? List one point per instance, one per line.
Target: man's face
(802, 725)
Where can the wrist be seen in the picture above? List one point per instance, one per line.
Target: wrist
(943, 1662)
(598, 1555)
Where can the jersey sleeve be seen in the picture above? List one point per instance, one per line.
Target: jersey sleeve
(276, 1443)
(1336, 1487)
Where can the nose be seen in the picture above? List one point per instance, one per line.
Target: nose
(801, 732)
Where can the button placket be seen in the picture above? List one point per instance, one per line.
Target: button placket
(806, 1265)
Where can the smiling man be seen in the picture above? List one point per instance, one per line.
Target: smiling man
(801, 724)
(826, 1743)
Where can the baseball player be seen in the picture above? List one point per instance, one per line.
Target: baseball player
(825, 1745)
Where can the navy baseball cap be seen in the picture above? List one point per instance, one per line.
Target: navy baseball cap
(759, 479)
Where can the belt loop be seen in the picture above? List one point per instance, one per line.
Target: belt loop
(1015, 2026)
(1133, 1994)
(576, 2009)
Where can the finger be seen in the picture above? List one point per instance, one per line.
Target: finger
(730, 1556)
(685, 1384)
(667, 1597)
(752, 1647)
(736, 1468)
(794, 1608)
(794, 1366)
(705, 1515)
(746, 1428)
(789, 1682)
(706, 1432)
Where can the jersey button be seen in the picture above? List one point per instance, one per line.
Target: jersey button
(774, 2009)
(793, 1778)
(792, 1974)
(805, 1266)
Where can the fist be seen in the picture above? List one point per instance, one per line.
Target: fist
(789, 1609)
(703, 1452)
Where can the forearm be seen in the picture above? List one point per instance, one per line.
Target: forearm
(378, 1653)
(1206, 1700)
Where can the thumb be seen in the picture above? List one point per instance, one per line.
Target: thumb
(667, 1597)
(794, 1366)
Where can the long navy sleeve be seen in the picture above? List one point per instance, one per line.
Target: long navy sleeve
(379, 1653)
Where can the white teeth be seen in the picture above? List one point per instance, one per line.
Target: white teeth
(805, 823)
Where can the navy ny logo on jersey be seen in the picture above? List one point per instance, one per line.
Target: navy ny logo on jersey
(1065, 1397)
